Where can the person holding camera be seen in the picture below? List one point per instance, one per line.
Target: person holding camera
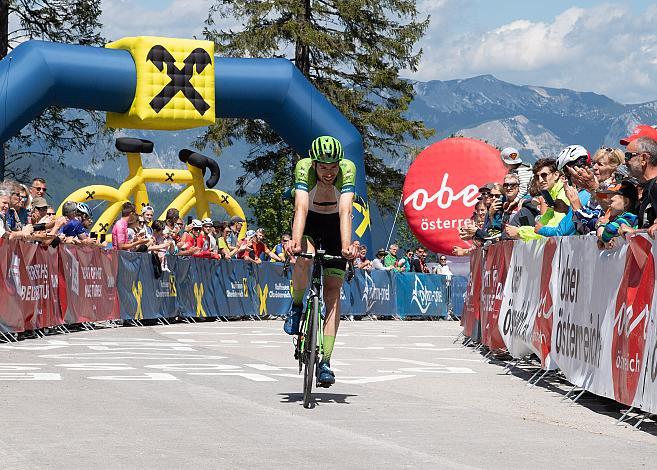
(553, 198)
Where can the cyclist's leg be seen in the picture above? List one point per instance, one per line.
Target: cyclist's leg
(332, 285)
(301, 273)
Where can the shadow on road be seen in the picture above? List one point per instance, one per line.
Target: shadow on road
(318, 398)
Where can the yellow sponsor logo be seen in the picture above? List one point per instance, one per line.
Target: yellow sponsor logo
(175, 84)
(245, 287)
(199, 290)
(137, 291)
(262, 297)
(364, 209)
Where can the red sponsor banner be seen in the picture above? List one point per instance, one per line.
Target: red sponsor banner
(470, 315)
(441, 189)
(90, 280)
(496, 267)
(631, 317)
(542, 332)
(30, 288)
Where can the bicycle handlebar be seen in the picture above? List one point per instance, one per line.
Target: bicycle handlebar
(349, 273)
(201, 162)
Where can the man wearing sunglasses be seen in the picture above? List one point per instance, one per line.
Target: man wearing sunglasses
(641, 160)
(38, 188)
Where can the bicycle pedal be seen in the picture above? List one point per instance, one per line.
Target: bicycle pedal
(323, 385)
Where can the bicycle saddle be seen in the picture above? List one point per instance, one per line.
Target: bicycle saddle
(202, 162)
(132, 145)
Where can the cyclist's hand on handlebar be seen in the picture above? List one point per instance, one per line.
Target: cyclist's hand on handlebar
(293, 247)
(351, 251)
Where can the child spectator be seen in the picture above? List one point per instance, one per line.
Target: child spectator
(161, 243)
(622, 209)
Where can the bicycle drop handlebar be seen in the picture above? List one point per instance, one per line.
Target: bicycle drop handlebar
(202, 162)
(322, 256)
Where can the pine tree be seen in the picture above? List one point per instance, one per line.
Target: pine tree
(67, 21)
(353, 51)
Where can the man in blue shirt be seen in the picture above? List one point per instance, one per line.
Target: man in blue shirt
(74, 212)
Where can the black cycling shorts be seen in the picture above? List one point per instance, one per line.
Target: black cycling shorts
(323, 230)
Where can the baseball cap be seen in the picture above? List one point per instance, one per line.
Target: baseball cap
(642, 130)
(486, 187)
(250, 233)
(39, 202)
(625, 188)
(510, 156)
(216, 223)
(197, 223)
(381, 252)
(207, 221)
(235, 219)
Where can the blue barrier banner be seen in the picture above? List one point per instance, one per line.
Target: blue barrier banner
(234, 287)
(141, 294)
(374, 292)
(458, 291)
(421, 295)
(273, 289)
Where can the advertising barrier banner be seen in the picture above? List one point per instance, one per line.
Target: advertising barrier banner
(90, 284)
(470, 316)
(421, 295)
(496, 265)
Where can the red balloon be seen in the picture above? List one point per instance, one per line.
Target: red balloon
(442, 187)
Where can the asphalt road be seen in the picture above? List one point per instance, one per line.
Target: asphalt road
(227, 395)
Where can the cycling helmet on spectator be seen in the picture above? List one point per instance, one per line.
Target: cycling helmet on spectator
(85, 209)
(197, 224)
(326, 149)
(573, 155)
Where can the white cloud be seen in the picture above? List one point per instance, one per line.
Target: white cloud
(181, 18)
(605, 49)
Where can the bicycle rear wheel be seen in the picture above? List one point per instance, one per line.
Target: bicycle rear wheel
(310, 351)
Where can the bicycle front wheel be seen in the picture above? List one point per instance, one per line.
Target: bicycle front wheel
(310, 351)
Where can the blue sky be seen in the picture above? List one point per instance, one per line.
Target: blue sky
(608, 47)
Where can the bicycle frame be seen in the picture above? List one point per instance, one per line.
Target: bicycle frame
(314, 292)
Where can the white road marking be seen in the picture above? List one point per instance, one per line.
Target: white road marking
(147, 377)
(30, 376)
(246, 375)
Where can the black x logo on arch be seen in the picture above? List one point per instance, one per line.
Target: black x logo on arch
(180, 81)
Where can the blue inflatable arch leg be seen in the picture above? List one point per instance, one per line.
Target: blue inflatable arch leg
(39, 74)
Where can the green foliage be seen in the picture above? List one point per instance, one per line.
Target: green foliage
(272, 211)
(353, 52)
(55, 131)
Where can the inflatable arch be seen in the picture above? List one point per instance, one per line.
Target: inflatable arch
(38, 74)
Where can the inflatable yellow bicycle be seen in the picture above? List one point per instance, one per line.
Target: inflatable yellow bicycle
(195, 195)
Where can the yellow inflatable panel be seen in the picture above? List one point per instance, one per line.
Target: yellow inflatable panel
(175, 84)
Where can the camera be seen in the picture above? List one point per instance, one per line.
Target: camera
(39, 227)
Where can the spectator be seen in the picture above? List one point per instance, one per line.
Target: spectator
(573, 160)
(147, 213)
(517, 212)
(210, 242)
(38, 188)
(246, 250)
(279, 249)
(514, 164)
(377, 263)
(391, 257)
(24, 203)
(192, 240)
(233, 238)
(172, 216)
(12, 221)
(404, 264)
(162, 244)
(361, 261)
(549, 180)
(120, 230)
(442, 267)
(73, 230)
(418, 264)
(641, 159)
(261, 249)
(623, 203)
(225, 251)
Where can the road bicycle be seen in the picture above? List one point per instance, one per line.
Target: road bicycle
(309, 343)
(194, 196)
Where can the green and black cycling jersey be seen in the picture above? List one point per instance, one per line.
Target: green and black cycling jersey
(323, 221)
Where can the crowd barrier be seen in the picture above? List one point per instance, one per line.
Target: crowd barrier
(585, 311)
(45, 287)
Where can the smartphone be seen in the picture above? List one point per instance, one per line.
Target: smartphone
(102, 238)
(93, 235)
(189, 219)
(39, 227)
(548, 198)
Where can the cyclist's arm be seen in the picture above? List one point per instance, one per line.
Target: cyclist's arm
(345, 205)
(301, 202)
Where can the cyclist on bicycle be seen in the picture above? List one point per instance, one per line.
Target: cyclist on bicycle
(323, 196)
